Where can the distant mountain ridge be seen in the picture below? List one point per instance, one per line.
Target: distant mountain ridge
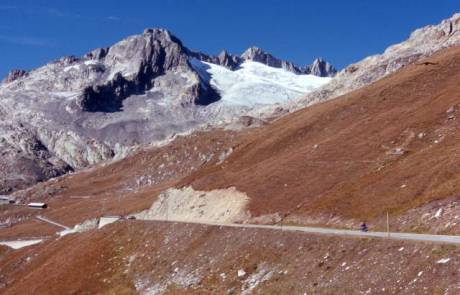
(319, 67)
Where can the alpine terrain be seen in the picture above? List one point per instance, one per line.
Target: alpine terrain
(76, 112)
(162, 170)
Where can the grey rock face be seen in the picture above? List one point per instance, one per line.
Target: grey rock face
(257, 54)
(224, 58)
(147, 57)
(227, 60)
(319, 67)
(24, 158)
(322, 68)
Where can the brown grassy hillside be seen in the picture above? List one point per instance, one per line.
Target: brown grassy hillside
(132, 257)
(390, 146)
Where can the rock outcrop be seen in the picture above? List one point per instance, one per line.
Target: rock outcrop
(257, 54)
(24, 158)
(227, 60)
(322, 68)
(140, 60)
(319, 67)
(14, 75)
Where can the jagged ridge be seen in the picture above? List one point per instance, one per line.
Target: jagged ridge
(319, 67)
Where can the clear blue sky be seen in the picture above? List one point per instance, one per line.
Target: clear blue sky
(34, 32)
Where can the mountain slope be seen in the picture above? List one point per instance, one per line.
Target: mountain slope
(384, 147)
(135, 257)
(389, 146)
(142, 90)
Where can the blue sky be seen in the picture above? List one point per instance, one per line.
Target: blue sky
(34, 32)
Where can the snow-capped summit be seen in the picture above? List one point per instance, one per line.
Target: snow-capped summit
(78, 111)
(257, 54)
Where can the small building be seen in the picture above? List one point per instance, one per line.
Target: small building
(37, 205)
(5, 199)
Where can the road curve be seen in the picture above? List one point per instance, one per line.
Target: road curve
(342, 232)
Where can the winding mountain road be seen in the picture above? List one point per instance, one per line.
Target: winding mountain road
(42, 218)
(344, 232)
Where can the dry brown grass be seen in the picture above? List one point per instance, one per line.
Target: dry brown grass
(351, 173)
(98, 262)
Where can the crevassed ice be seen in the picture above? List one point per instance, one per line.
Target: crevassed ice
(257, 84)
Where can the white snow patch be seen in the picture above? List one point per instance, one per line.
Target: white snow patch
(443, 261)
(438, 213)
(79, 228)
(257, 84)
(262, 274)
(65, 94)
(69, 68)
(69, 96)
(103, 221)
(241, 273)
(126, 70)
(91, 62)
(20, 244)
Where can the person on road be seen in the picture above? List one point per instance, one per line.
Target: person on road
(364, 227)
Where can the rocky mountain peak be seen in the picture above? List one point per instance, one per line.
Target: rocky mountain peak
(253, 52)
(14, 75)
(162, 35)
(322, 68)
(319, 67)
(257, 54)
(223, 55)
(228, 60)
(132, 65)
(156, 31)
